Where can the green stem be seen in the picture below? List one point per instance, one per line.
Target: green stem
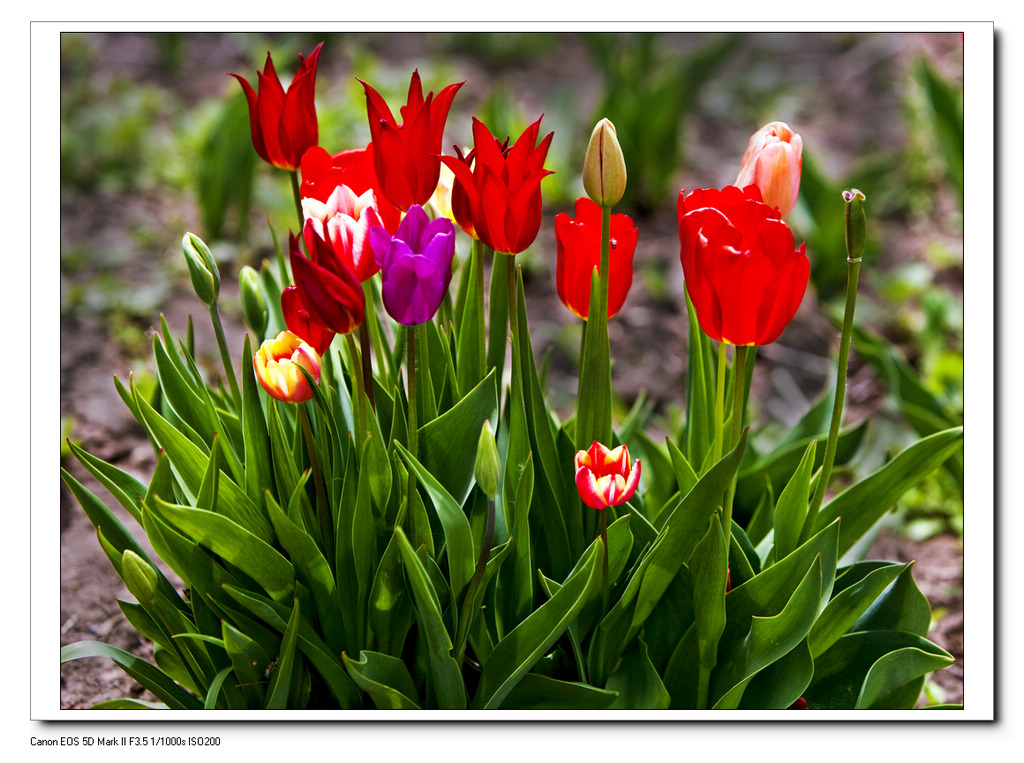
(478, 575)
(738, 401)
(225, 356)
(720, 402)
(375, 329)
(604, 563)
(360, 400)
(478, 287)
(411, 333)
(322, 508)
(513, 306)
(297, 195)
(364, 352)
(853, 274)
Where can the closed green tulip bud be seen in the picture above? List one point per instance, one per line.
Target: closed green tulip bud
(202, 268)
(487, 464)
(139, 576)
(856, 224)
(254, 304)
(604, 168)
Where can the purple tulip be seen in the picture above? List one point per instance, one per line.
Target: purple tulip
(415, 265)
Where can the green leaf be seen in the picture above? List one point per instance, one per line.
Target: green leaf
(537, 692)
(389, 607)
(708, 567)
(894, 670)
(447, 678)
(841, 671)
(128, 704)
(700, 390)
(769, 592)
(458, 538)
(249, 661)
(519, 650)
(278, 693)
(791, 508)
(782, 683)
(189, 465)
(901, 608)
(105, 521)
(314, 570)
(312, 646)
(637, 682)
(770, 639)
(594, 398)
(259, 471)
(864, 503)
(385, 678)
(145, 673)
(124, 487)
(234, 543)
(848, 605)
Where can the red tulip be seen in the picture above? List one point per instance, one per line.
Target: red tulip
(496, 196)
(579, 254)
(322, 173)
(604, 477)
(773, 163)
(405, 156)
(329, 291)
(276, 365)
(742, 273)
(283, 123)
(299, 322)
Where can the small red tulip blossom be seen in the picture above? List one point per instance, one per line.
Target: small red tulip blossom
(742, 273)
(283, 123)
(496, 194)
(773, 162)
(299, 322)
(604, 477)
(322, 173)
(579, 245)
(328, 289)
(276, 365)
(405, 156)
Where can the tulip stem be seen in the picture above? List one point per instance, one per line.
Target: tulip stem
(513, 305)
(364, 351)
(318, 482)
(474, 585)
(604, 563)
(297, 195)
(225, 355)
(360, 400)
(375, 329)
(720, 403)
(738, 401)
(478, 287)
(853, 275)
(411, 333)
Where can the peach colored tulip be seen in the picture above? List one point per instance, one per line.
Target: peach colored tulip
(773, 162)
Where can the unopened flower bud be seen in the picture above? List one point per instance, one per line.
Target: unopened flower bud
(604, 168)
(772, 162)
(202, 268)
(487, 463)
(254, 304)
(139, 576)
(856, 224)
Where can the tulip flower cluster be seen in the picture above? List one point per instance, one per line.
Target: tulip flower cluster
(360, 536)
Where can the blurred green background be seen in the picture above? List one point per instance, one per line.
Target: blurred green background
(155, 141)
